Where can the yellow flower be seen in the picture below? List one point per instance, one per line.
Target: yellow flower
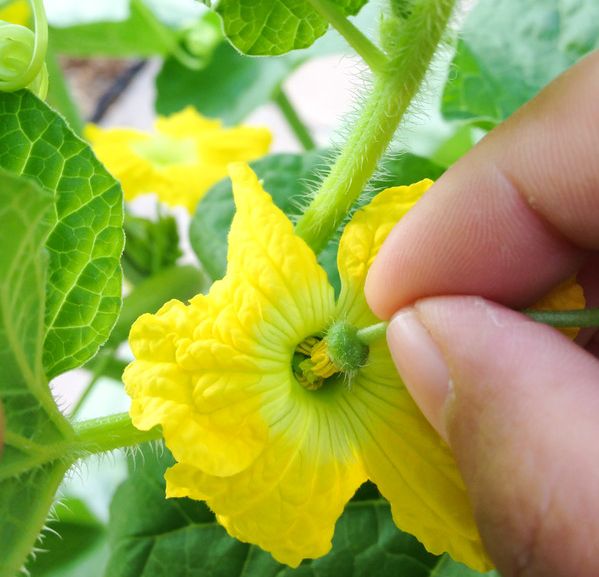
(181, 160)
(263, 426)
(17, 12)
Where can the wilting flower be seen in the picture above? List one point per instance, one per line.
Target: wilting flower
(265, 425)
(181, 160)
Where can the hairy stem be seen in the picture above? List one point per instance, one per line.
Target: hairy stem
(371, 54)
(110, 433)
(293, 119)
(393, 90)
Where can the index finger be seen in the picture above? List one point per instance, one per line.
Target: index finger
(514, 216)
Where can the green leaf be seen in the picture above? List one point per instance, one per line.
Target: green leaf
(83, 296)
(290, 179)
(447, 567)
(154, 537)
(270, 27)
(35, 429)
(141, 34)
(229, 87)
(508, 52)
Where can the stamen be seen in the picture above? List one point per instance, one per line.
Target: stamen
(317, 365)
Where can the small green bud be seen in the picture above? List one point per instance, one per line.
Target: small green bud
(345, 349)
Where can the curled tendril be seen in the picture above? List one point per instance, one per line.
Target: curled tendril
(23, 54)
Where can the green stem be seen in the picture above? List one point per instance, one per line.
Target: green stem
(91, 437)
(110, 433)
(585, 318)
(295, 122)
(97, 374)
(372, 333)
(59, 95)
(374, 57)
(394, 88)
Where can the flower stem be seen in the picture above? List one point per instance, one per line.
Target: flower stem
(584, 318)
(293, 119)
(374, 57)
(113, 432)
(97, 374)
(393, 90)
(372, 333)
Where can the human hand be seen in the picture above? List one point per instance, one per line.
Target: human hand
(517, 401)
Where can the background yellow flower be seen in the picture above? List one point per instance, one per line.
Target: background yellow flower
(181, 160)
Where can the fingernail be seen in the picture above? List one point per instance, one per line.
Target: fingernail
(420, 365)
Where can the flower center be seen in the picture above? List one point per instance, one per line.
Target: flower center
(340, 351)
(162, 150)
(312, 364)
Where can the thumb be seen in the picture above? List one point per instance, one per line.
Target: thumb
(519, 405)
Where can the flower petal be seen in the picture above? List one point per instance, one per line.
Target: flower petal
(224, 440)
(113, 147)
(410, 464)
(180, 162)
(362, 239)
(277, 267)
(289, 500)
(186, 123)
(202, 370)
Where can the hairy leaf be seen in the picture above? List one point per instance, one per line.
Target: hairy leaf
(269, 27)
(83, 295)
(34, 427)
(154, 537)
(509, 51)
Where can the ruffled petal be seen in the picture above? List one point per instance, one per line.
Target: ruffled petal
(412, 467)
(289, 500)
(224, 439)
(277, 267)
(203, 371)
(361, 241)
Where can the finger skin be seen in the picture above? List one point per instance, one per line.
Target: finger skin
(514, 216)
(588, 277)
(522, 422)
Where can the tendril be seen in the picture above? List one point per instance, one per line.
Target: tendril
(23, 54)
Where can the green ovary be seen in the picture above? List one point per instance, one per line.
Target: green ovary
(162, 151)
